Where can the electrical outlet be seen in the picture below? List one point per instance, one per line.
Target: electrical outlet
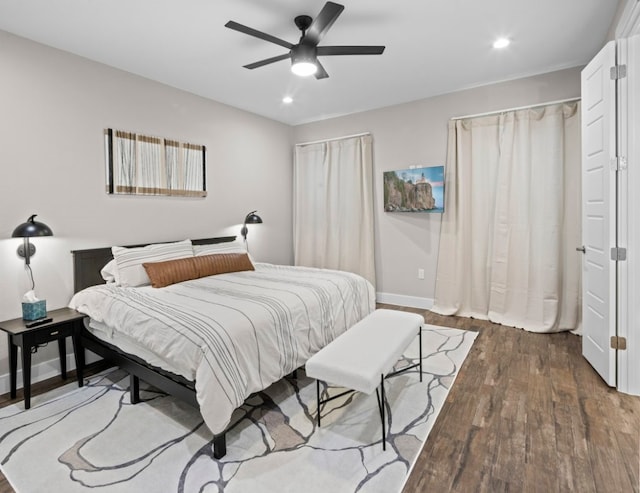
(420, 273)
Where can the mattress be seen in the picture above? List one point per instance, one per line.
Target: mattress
(234, 334)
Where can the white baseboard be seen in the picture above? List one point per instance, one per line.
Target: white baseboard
(43, 370)
(404, 300)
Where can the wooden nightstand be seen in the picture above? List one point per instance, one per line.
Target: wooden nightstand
(65, 322)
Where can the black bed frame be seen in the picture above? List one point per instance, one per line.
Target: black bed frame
(86, 272)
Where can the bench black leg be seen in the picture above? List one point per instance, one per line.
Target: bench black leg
(384, 428)
(318, 399)
(219, 446)
(337, 396)
(420, 342)
(381, 408)
(134, 388)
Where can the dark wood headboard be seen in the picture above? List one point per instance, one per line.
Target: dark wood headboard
(88, 263)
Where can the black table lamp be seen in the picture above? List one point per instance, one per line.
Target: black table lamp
(28, 230)
(251, 218)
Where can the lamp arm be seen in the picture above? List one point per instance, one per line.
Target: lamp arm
(27, 250)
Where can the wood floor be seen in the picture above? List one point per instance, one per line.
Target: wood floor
(526, 414)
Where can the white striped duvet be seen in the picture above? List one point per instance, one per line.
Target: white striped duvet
(237, 333)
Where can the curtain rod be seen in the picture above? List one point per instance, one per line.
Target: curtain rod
(335, 138)
(497, 112)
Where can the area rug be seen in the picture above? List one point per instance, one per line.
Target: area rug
(93, 439)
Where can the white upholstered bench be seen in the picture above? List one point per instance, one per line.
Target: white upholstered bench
(362, 357)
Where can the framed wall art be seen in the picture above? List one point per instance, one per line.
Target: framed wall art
(418, 189)
(145, 165)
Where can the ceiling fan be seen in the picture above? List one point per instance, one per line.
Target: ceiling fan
(304, 55)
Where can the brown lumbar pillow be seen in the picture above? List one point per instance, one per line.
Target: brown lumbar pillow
(163, 274)
(222, 263)
(170, 272)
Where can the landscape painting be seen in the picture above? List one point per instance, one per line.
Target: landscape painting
(414, 190)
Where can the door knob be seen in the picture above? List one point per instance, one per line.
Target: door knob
(581, 249)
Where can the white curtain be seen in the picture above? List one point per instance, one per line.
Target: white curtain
(333, 206)
(512, 219)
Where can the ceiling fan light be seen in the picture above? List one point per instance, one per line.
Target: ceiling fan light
(303, 60)
(304, 68)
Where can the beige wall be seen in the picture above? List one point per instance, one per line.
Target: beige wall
(416, 134)
(53, 109)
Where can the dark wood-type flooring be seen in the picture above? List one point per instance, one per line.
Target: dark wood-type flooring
(527, 413)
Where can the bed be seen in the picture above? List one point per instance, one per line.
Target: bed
(214, 340)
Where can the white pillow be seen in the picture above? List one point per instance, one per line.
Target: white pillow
(227, 247)
(110, 271)
(130, 271)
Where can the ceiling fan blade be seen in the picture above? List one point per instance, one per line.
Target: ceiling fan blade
(258, 34)
(267, 61)
(322, 23)
(321, 73)
(350, 50)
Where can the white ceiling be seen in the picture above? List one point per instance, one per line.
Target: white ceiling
(432, 46)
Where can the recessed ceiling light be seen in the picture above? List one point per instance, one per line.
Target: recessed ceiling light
(501, 43)
(287, 100)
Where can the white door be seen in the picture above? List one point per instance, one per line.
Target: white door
(628, 95)
(599, 212)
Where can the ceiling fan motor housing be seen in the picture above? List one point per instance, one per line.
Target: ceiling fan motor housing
(303, 22)
(304, 53)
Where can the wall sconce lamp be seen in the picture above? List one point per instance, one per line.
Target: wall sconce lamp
(27, 230)
(251, 218)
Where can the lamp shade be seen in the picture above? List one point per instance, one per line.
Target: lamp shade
(32, 228)
(251, 218)
(28, 230)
